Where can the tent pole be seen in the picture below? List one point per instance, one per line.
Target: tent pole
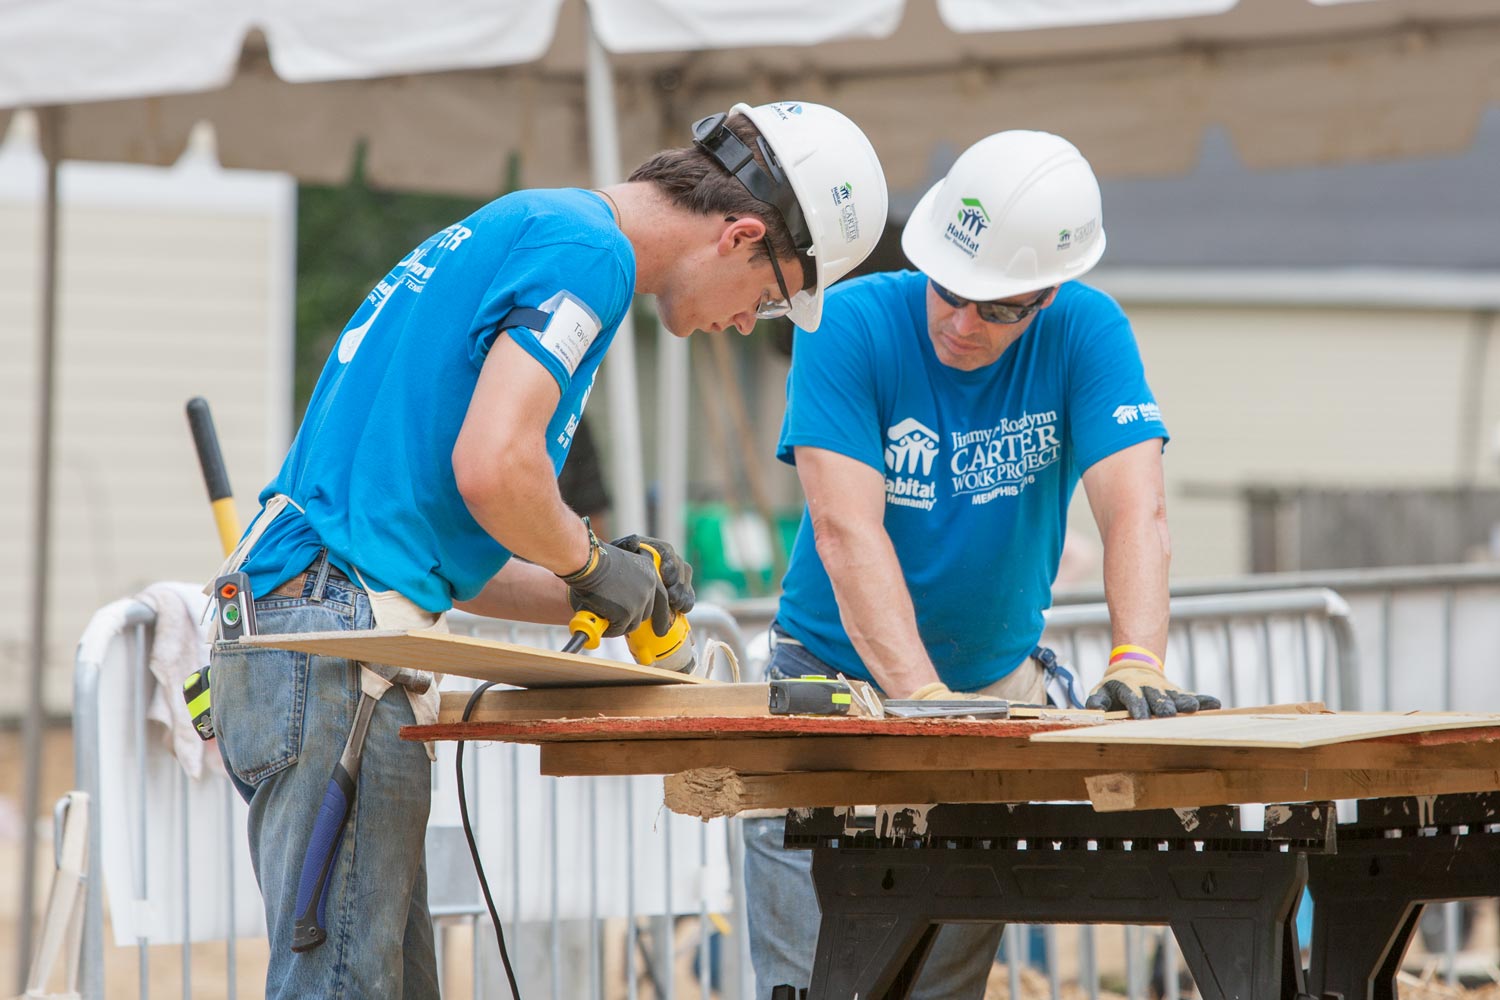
(48, 121)
(626, 457)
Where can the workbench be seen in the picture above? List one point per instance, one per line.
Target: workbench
(1229, 893)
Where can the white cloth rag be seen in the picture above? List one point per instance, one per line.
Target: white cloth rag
(180, 644)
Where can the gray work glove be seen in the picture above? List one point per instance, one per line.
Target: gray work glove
(1145, 693)
(622, 587)
(676, 574)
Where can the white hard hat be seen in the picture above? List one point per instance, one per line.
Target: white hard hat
(1018, 212)
(837, 205)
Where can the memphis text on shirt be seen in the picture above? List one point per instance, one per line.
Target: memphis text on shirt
(1004, 459)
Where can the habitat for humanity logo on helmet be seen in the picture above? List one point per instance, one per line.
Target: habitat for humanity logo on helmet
(972, 220)
(848, 217)
(911, 447)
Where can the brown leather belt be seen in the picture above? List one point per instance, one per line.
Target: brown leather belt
(294, 586)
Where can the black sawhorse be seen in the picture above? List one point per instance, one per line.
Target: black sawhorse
(886, 886)
(1399, 854)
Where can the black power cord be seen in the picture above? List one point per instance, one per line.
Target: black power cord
(574, 644)
(463, 812)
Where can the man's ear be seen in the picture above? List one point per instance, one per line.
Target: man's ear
(740, 233)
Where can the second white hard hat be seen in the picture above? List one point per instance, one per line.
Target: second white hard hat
(839, 190)
(1018, 212)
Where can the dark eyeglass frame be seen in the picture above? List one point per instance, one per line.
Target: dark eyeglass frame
(1001, 313)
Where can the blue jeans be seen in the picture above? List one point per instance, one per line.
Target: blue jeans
(782, 909)
(282, 720)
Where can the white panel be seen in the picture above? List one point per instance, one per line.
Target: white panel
(684, 25)
(334, 41)
(85, 50)
(1016, 15)
(172, 283)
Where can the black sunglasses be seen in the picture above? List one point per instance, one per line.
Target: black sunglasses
(1003, 313)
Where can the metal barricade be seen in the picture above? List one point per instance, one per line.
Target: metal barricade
(578, 825)
(690, 877)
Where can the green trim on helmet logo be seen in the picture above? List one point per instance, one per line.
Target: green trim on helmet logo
(1064, 239)
(973, 217)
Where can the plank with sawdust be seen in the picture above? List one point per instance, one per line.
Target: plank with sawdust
(660, 701)
(1269, 731)
(638, 701)
(666, 730)
(469, 656)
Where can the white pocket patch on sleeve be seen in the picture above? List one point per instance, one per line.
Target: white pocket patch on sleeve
(571, 331)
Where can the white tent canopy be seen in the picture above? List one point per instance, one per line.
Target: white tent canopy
(473, 94)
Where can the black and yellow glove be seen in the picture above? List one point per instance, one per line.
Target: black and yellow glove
(676, 574)
(1145, 692)
(938, 691)
(621, 587)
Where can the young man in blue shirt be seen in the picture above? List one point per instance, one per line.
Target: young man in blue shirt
(940, 421)
(428, 458)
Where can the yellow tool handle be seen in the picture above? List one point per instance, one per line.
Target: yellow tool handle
(591, 626)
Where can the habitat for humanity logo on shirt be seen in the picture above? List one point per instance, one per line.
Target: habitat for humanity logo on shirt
(910, 448)
(1003, 460)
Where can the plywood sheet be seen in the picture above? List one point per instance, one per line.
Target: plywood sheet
(1279, 731)
(467, 656)
(667, 730)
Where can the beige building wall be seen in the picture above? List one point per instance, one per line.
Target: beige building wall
(1330, 394)
(172, 283)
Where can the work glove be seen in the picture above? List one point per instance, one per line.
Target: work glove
(1144, 692)
(622, 587)
(676, 573)
(938, 691)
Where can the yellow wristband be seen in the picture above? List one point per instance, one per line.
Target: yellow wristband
(1134, 653)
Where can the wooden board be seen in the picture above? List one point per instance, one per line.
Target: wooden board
(1288, 731)
(668, 730)
(483, 659)
(1180, 789)
(1474, 749)
(721, 791)
(678, 701)
(646, 700)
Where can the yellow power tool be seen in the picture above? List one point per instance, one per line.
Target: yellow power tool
(673, 651)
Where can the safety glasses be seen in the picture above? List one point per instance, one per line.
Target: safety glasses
(1003, 313)
(771, 308)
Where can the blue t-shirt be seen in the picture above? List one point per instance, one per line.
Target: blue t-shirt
(372, 464)
(979, 465)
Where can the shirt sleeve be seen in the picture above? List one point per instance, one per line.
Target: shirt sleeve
(580, 292)
(831, 390)
(1110, 405)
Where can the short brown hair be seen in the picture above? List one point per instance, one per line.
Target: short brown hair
(693, 180)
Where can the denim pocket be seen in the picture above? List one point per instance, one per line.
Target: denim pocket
(260, 695)
(258, 698)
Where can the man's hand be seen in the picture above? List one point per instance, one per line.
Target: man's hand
(938, 691)
(622, 587)
(676, 574)
(1144, 692)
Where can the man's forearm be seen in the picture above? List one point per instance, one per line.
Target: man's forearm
(523, 592)
(876, 609)
(518, 505)
(1137, 556)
